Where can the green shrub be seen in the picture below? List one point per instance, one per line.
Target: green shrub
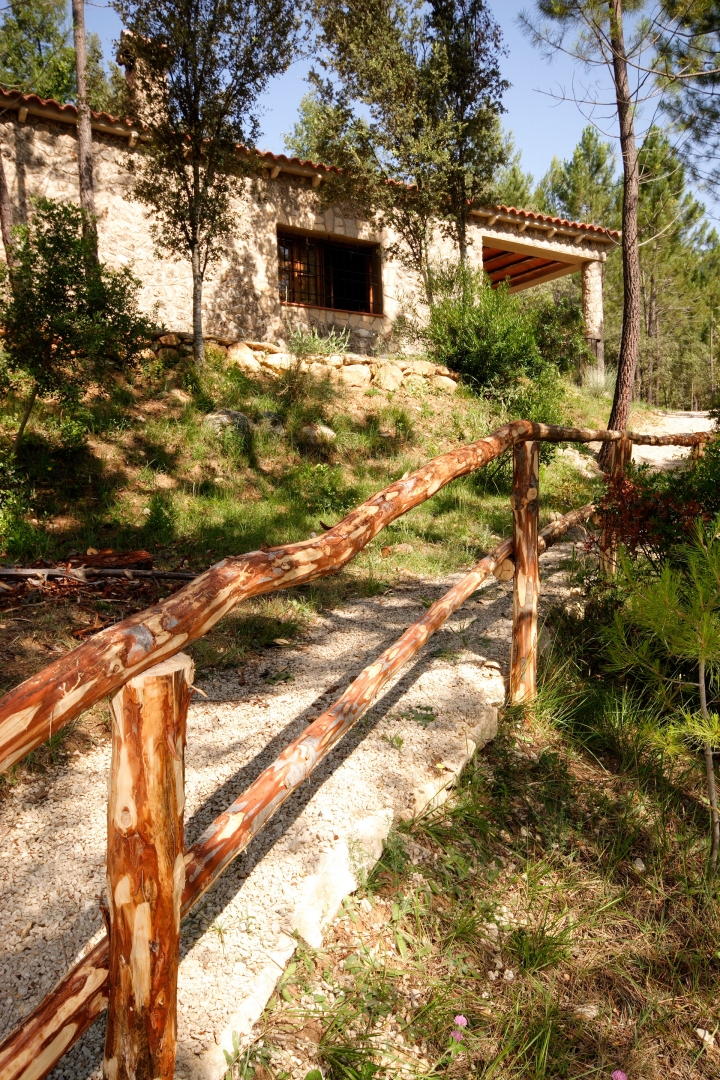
(69, 321)
(560, 334)
(312, 342)
(479, 331)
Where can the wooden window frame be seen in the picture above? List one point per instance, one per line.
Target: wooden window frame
(297, 276)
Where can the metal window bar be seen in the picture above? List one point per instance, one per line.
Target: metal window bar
(322, 273)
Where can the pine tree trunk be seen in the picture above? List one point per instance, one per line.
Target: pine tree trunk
(198, 340)
(6, 217)
(630, 339)
(84, 129)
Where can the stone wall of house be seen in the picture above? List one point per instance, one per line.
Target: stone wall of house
(241, 297)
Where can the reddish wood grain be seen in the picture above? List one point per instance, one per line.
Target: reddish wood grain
(526, 581)
(620, 455)
(41, 705)
(60, 1019)
(146, 870)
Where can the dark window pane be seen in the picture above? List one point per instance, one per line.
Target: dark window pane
(328, 274)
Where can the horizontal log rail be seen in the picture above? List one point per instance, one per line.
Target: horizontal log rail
(107, 662)
(68, 1010)
(44, 703)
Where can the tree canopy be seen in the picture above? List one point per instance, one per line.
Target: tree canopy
(37, 56)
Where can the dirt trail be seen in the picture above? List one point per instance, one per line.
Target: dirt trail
(648, 422)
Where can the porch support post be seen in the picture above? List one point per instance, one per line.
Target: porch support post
(526, 583)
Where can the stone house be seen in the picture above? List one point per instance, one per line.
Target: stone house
(289, 264)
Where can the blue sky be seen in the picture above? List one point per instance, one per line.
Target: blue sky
(542, 127)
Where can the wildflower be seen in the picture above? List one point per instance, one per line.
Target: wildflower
(456, 1035)
(619, 1075)
(461, 1022)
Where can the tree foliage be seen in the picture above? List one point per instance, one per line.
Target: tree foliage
(200, 67)
(36, 56)
(410, 114)
(585, 187)
(68, 321)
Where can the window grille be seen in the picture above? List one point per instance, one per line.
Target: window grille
(324, 273)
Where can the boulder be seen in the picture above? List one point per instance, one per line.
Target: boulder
(278, 361)
(356, 375)
(333, 361)
(226, 418)
(420, 367)
(317, 434)
(353, 358)
(388, 377)
(262, 346)
(169, 339)
(443, 382)
(239, 353)
(168, 356)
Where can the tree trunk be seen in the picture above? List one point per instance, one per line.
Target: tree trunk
(630, 339)
(710, 774)
(84, 129)
(146, 870)
(198, 340)
(6, 216)
(26, 416)
(526, 587)
(620, 454)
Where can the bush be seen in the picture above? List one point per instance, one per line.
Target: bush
(313, 343)
(560, 334)
(653, 513)
(479, 331)
(69, 321)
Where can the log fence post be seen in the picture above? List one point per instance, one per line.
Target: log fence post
(526, 581)
(146, 870)
(620, 455)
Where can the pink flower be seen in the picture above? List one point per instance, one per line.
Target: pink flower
(619, 1075)
(456, 1035)
(461, 1021)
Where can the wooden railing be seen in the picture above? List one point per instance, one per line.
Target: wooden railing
(153, 881)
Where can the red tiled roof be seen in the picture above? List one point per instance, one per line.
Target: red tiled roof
(14, 97)
(546, 219)
(68, 113)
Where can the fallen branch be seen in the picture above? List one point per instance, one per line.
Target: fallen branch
(32, 1050)
(83, 573)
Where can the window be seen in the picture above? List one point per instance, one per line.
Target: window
(324, 273)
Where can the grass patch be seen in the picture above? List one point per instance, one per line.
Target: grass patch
(558, 902)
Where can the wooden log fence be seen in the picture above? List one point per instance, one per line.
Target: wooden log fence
(152, 880)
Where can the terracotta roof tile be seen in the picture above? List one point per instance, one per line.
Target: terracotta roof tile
(14, 97)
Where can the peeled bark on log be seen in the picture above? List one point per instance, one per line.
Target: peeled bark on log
(526, 582)
(68, 1010)
(620, 454)
(41, 705)
(146, 870)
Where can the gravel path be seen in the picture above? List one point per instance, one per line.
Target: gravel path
(296, 872)
(666, 423)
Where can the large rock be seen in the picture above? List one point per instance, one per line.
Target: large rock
(388, 377)
(356, 375)
(239, 353)
(317, 434)
(443, 382)
(169, 339)
(420, 367)
(279, 361)
(228, 418)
